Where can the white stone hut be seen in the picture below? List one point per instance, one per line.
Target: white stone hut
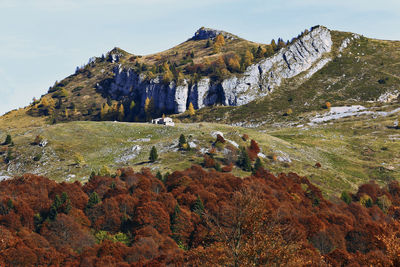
(164, 121)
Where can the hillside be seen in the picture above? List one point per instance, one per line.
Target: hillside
(212, 67)
(350, 150)
(353, 138)
(282, 154)
(359, 71)
(229, 79)
(118, 78)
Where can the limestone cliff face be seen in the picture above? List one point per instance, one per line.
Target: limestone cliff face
(307, 55)
(169, 97)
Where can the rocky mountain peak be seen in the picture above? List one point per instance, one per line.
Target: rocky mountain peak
(115, 54)
(208, 33)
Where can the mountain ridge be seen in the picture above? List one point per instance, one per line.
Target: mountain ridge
(232, 91)
(203, 72)
(200, 71)
(356, 71)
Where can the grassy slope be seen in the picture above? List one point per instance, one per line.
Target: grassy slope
(104, 143)
(201, 52)
(351, 151)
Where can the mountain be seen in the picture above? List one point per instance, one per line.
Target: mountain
(216, 68)
(325, 97)
(356, 71)
(258, 80)
(323, 108)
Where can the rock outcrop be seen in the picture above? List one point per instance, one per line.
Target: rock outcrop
(306, 55)
(261, 79)
(207, 33)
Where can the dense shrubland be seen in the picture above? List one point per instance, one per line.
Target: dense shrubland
(195, 217)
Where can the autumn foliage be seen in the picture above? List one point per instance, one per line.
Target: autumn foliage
(195, 217)
(253, 150)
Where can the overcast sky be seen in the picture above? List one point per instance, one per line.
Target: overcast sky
(42, 41)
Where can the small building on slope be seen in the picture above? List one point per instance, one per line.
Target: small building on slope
(163, 121)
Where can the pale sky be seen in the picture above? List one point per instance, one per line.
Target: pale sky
(42, 41)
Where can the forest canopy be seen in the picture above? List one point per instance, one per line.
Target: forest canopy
(195, 217)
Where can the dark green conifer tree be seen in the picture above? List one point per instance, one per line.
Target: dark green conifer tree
(257, 165)
(8, 140)
(182, 141)
(346, 197)
(10, 204)
(153, 154)
(159, 176)
(218, 167)
(66, 202)
(93, 200)
(244, 160)
(198, 206)
(175, 223)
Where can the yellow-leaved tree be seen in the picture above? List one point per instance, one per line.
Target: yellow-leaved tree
(104, 110)
(220, 40)
(121, 112)
(233, 63)
(168, 76)
(146, 104)
(47, 105)
(132, 105)
(248, 58)
(191, 109)
(44, 102)
(149, 107)
(218, 43)
(273, 44)
(105, 171)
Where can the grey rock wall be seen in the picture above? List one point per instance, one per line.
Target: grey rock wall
(306, 54)
(262, 78)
